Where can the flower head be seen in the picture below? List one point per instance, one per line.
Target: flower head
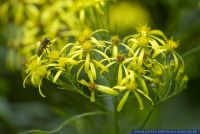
(36, 71)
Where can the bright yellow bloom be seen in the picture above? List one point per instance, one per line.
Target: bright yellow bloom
(129, 85)
(36, 71)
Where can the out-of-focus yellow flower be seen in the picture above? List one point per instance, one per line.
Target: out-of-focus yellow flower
(171, 44)
(119, 12)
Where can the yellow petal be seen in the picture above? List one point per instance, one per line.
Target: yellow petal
(175, 62)
(82, 15)
(140, 58)
(101, 53)
(57, 76)
(144, 86)
(98, 43)
(24, 82)
(40, 91)
(122, 101)
(65, 47)
(127, 47)
(158, 32)
(139, 100)
(146, 96)
(158, 39)
(79, 71)
(83, 82)
(89, 73)
(120, 88)
(87, 62)
(100, 65)
(148, 78)
(106, 90)
(93, 70)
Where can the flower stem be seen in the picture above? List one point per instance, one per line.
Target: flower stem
(190, 52)
(116, 117)
(147, 118)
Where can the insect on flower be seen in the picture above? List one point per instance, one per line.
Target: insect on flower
(43, 45)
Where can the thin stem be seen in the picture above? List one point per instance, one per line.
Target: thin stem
(66, 122)
(147, 118)
(151, 111)
(190, 52)
(116, 117)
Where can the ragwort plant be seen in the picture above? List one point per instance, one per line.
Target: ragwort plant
(83, 54)
(145, 64)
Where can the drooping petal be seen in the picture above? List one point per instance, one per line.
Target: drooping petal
(100, 30)
(24, 82)
(98, 43)
(87, 62)
(101, 53)
(122, 101)
(140, 58)
(40, 91)
(141, 105)
(158, 32)
(89, 73)
(65, 47)
(93, 70)
(175, 62)
(57, 76)
(146, 96)
(158, 39)
(79, 71)
(127, 47)
(100, 65)
(144, 86)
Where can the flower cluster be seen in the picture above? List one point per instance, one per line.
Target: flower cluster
(144, 64)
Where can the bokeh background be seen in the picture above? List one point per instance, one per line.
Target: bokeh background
(23, 109)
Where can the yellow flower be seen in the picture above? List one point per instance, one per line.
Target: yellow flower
(61, 65)
(121, 60)
(171, 44)
(129, 85)
(84, 51)
(143, 30)
(36, 71)
(53, 55)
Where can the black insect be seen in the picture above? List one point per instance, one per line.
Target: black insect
(43, 45)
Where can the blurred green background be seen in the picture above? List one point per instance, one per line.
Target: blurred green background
(23, 109)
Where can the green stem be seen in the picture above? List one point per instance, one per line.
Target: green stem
(151, 111)
(67, 121)
(190, 52)
(116, 117)
(147, 118)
